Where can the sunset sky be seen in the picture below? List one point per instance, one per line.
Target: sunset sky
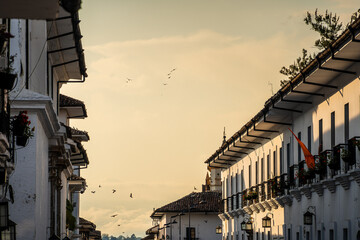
(150, 135)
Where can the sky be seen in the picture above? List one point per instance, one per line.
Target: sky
(165, 78)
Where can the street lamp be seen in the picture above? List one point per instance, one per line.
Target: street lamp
(192, 207)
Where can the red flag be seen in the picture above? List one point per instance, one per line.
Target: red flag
(309, 158)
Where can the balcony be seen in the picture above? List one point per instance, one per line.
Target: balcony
(337, 166)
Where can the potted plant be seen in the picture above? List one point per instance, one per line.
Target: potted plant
(356, 143)
(346, 155)
(7, 76)
(21, 128)
(301, 174)
(4, 38)
(310, 174)
(334, 162)
(320, 165)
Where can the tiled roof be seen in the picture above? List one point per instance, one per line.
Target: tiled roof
(196, 201)
(74, 177)
(83, 221)
(96, 234)
(66, 101)
(75, 132)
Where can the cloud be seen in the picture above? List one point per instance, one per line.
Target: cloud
(146, 135)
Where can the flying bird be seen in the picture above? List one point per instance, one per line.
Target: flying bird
(118, 225)
(131, 195)
(113, 215)
(195, 188)
(165, 84)
(113, 191)
(92, 191)
(99, 186)
(128, 80)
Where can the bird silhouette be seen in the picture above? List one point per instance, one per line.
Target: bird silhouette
(165, 84)
(118, 225)
(92, 191)
(113, 191)
(113, 215)
(195, 188)
(128, 80)
(99, 186)
(131, 195)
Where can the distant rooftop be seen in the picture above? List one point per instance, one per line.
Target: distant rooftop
(196, 201)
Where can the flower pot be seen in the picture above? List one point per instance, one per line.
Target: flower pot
(18, 129)
(7, 80)
(21, 140)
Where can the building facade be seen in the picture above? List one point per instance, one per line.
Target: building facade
(269, 191)
(192, 217)
(43, 181)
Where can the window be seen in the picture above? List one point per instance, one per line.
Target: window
(281, 161)
(331, 234)
(269, 235)
(297, 236)
(319, 235)
(309, 138)
(256, 172)
(308, 235)
(262, 236)
(268, 166)
(345, 234)
(242, 180)
(288, 156)
(274, 163)
(321, 139)
(299, 148)
(332, 129)
(262, 169)
(236, 183)
(346, 121)
(257, 236)
(289, 234)
(250, 175)
(190, 233)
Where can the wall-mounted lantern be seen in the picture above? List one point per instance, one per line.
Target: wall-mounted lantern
(246, 226)
(218, 230)
(10, 232)
(4, 215)
(266, 222)
(308, 218)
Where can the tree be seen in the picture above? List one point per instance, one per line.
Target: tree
(296, 67)
(329, 27)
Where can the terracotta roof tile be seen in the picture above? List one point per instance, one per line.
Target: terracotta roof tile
(198, 201)
(66, 101)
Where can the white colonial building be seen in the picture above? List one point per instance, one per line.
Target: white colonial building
(42, 188)
(268, 190)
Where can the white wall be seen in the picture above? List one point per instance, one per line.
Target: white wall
(205, 225)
